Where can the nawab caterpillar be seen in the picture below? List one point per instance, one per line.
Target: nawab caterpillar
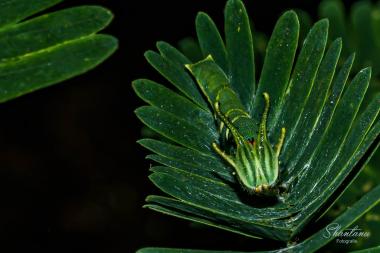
(215, 86)
(254, 160)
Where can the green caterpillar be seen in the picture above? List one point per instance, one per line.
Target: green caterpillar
(254, 160)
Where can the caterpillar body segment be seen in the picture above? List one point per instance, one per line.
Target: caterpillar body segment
(254, 160)
(214, 84)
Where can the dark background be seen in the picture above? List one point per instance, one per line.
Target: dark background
(72, 177)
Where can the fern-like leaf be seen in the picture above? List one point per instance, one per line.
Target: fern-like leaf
(327, 138)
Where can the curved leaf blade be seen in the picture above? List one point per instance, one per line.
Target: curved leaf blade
(191, 160)
(313, 243)
(177, 75)
(184, 211)
(277, 66)
(332, 178)
(314, 104)
(193, 136)
(12, 11)
(161, 97)
(240, 54)
(50, 30)
(334, 139)
(45, 68)
(370, 146)
(171, 53)
(217, 197)
(213, 206)
(210, 41)
(302, 80)
(299, 160)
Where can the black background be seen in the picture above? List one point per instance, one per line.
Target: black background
(72, 177)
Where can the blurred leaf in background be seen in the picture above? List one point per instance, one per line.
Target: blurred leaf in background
(359, 27)
(48, 49)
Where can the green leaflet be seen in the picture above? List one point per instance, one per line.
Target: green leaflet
(176, 128)
(187, 159)
(12, 11)
(302, 80)
(216, 201)
(33, 51)
(368, 145)
(335, 180)
(306, 23)
(172, 53)
(314, 104)
(45, 68)
(355, 138)
(183, 211)
(311, 244)
(333, 140)
(153, 93)
(217, 188)
(51, 30)
(210, 40)
(177, 75)
(240, 55)
(224, 193)
(299, 160)
(195, 169)
(277, 66)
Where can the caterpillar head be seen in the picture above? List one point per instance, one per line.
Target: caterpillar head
(255, 162)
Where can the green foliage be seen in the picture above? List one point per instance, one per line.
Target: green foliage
(360, 31)
(47, 49)
(328, 139)
(363, 183)
(311, 244)
(190, 47)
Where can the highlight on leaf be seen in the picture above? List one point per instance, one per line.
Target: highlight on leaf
(43, 50)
